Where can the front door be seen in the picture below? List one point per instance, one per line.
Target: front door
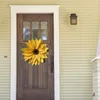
(35, 82)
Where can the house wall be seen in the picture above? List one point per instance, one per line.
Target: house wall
(77, 46)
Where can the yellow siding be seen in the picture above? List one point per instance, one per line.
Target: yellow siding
(77, 46)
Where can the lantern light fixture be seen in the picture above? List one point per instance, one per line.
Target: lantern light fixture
(73, 19)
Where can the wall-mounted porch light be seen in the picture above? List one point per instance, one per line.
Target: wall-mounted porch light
(73, 19)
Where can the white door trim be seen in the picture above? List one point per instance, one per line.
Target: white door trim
(34, 9)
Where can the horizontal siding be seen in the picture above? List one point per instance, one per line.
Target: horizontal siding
(4, 51)
(77, 46)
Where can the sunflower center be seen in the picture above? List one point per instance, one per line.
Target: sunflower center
(35, 51)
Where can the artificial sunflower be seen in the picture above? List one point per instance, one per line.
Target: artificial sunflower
(35, 52)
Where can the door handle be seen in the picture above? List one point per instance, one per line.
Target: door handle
(51, 68)
(51, 64)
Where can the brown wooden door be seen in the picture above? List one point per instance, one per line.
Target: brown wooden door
(35, 82)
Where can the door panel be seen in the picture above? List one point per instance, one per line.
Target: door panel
(35, 82)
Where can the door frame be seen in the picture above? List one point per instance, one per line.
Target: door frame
(43, 9)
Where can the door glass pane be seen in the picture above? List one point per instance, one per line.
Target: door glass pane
(26, 30)
(44, 30)
(35, 30)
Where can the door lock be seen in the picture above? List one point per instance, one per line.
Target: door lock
(49, 42)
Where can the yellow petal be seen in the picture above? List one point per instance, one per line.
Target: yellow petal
(30, 61)
(42, 60)
(36, 62)
(29, 45)
(24, 49)
(34, 59)
(27, 58)
(33, 44)
(42, 46)
(27, 54)
(38, 43)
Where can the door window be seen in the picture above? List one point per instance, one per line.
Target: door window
(26, 30)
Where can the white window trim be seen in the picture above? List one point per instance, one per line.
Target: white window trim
(34, 9)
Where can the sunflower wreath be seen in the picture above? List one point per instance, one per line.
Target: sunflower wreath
(35, 52)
